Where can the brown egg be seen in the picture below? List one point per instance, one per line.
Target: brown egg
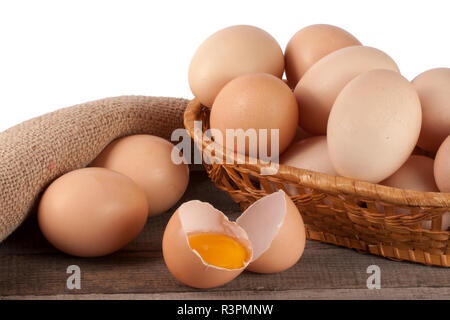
(415, 174)
(256, 101)
(373, 126)
(92, 212)
(310, 154)
(147, 160)
(229, 53)
(185, 263)
(300, 134)
(442, 166)
(433, 87)
(318, 88)
(310, 44)
(277, 232)
(203, 249)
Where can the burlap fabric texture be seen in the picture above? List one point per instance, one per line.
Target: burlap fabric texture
(37, 151)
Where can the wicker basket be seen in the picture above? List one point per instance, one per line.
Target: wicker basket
(338, 210)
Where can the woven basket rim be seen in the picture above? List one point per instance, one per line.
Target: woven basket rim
(321, 181)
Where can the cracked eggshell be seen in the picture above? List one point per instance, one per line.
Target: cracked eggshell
(184, 263)
(277, 232)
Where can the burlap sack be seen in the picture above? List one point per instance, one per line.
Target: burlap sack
(35, 152)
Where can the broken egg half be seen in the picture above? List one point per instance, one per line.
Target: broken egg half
(202, 248)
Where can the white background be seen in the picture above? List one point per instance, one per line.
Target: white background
(59, 53)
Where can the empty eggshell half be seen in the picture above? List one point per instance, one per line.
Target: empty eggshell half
(186, 264)
(277, 232)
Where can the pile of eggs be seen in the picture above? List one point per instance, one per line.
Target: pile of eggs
(97, 210)
(344, 109)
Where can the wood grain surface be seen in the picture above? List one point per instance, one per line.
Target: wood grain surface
(30, 268)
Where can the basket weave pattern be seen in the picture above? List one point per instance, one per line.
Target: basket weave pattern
(368, 217)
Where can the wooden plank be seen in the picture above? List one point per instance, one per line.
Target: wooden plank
(327, 294)
(31, 268)
(145, 272)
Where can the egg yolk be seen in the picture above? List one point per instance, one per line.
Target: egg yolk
(219, 250)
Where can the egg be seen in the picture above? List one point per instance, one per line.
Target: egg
(92, 212)
(258, 102)
(310, 44)
(203, 249)
(185, 263)
(320, 85)
(300, 134)
(373, 126)
(442, 166)
(277, 232)
(147, 160)
(433, 87)
(229, 53)
(416, 174)
(310, 154)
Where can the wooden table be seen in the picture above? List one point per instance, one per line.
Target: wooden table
(30, 268)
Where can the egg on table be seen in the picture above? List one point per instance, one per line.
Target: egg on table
(277, 232)
(148, 161)
(92, 212)
(203, 249)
